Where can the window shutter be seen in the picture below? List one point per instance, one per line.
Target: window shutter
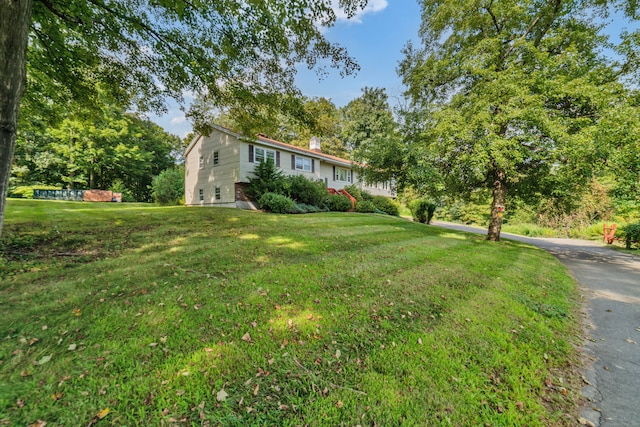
(293, 161)
(250, 153)
(350, 176)
(334, 173)
(277, 158)
(313, 166)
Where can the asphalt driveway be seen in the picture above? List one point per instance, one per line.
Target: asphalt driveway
(610, 283)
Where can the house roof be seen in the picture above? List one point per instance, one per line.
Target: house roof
(263, 140)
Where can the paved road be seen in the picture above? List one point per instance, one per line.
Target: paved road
(610, 281)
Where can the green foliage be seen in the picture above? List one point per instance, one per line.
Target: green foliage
(369, 130)
(303, 190)
(386, 205)
(357, 193)
(366, 206)
(631, 234)
(337, 203)
(422, 210)
(168, 187)
(85, 150)
(277, 203)
(523, 117)
(119, 187)
(469, 212)
(268, 178)
(26, 191)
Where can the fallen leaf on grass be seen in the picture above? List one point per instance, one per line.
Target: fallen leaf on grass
(339, 404)
(103, 413)
(72, 347)
(32, 341)
(44, 360)
(38, 423)
(222, 395)
(77, 312)
(520, 405)
(20, 403)
(256, 389)
(56, 396)
(246, 337)
(15, 352)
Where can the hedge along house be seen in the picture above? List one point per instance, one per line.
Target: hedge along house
(218, 167)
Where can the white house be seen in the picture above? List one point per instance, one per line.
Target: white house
(217, 167)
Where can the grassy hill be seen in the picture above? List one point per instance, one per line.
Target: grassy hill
(118, 314)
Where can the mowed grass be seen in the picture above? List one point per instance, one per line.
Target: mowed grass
(117, 314)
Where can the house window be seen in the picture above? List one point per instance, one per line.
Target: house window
(201, 162)
(343, 175)
(303, 164)
(201, 193)
(216, 158)
(262, 155)
(217, 192)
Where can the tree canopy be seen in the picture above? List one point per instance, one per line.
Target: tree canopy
(239, 53)
(513, 94)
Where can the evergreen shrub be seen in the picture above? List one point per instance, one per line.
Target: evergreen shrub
(276, 203)
(631, 234)
(386, 205)
(366, 206)
(337, 203)
(422, 210)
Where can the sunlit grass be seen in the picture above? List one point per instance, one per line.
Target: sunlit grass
(193, 316)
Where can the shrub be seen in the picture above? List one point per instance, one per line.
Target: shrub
(358, 193)
(168, 187)
(366, 206)
(337, 203)
(631, 234)
(386, 205)
(276, 203)
(268, 179)
(119, 187)
(26, 192)
(422, 210)
(305, 191)
(304, 208)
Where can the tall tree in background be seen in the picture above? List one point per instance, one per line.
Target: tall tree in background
(513, 93)
(240, 53)
(371, 133)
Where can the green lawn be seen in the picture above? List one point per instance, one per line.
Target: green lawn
(117, 314)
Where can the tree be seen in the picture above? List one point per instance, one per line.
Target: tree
(242, 54)
(94, 151)
(168, 186)
(371, 133)
(513, 93)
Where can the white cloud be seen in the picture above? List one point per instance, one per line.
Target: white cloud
(178, 120)
(373, 6)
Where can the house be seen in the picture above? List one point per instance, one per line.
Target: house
(218, 167)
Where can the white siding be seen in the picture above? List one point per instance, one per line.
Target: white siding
(209, 176)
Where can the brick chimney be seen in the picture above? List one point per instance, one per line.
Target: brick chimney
(314, 144)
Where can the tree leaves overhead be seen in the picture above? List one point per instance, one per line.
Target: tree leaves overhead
(234, 50)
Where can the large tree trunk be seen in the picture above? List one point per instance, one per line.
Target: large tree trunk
(15, 18)
(497, 205)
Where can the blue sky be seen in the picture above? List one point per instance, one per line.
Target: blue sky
(375, 38)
